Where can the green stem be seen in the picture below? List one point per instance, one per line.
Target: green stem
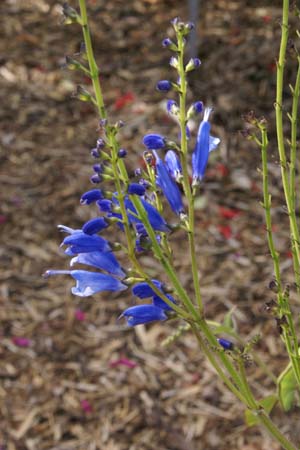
(186, 180)
(94, 71)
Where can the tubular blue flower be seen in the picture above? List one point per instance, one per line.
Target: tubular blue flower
(105, 205)
(154, 141)
(136, 188)
(160, 303)
(94, 225)
(89, 283)
(143, 290)
(155, 219)
(84, 243)
(101, 260)
(173, 165)
(204, 144)
(168, 186)
(164, 85)
(136, 315)
(91, 196)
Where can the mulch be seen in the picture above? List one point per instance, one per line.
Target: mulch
(73, 377)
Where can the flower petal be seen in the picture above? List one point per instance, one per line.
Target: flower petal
(136, 315)
(104, 261)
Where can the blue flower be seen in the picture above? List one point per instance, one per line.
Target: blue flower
(89, 283)
(100, 260)
(136, 315)
(105, 205)
(143, 290)
(136, 188)
(91, 196)
(164, 85)
(157, 301)
(168, 186)
(204, 144)
(155, 219)
(94, 225)
(84, 243)
(173, 165)
(154, 141)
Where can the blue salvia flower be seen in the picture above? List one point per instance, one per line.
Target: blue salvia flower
(204, 144)
(84, 243)
(140, 314)
(89, 283)
(95, 225)
(173, 165)
(143, 290)
(105, 205)
(91, 196)
(154, 141)
(155, 219)
(136, 188)
(100, 260)
(168, 186)
(157, 301)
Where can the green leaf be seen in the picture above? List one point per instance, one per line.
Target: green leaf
(287, 385)
(229, 320)
(267, 403)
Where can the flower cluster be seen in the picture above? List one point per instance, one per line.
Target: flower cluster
(136, 205)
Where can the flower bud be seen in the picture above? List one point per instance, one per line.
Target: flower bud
(193, 63)
(195, 108)
(122, 153)
(174, 62)
(164, 85)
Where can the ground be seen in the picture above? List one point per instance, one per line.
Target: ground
(72, 376)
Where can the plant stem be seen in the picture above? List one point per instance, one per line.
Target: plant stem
(94, 71)
(186, 180)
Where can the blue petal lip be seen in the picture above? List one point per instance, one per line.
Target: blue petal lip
(89, 283)
(140, 314)
(104, 261)
(155, 219)
(94, 225)
(143, 290)
(84, 243)
(91, 196)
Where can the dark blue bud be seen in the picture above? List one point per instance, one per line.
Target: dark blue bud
(100, 144)
(138, 172)
(136, 188)
(154, 141)
(91, 196)
(97, 168)
(164, 85)
(122, 153)
(167, 42)
(105, 205)
(227, 345)
(95, 179)
(95, 153)
(198, 107)
(94, 225)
